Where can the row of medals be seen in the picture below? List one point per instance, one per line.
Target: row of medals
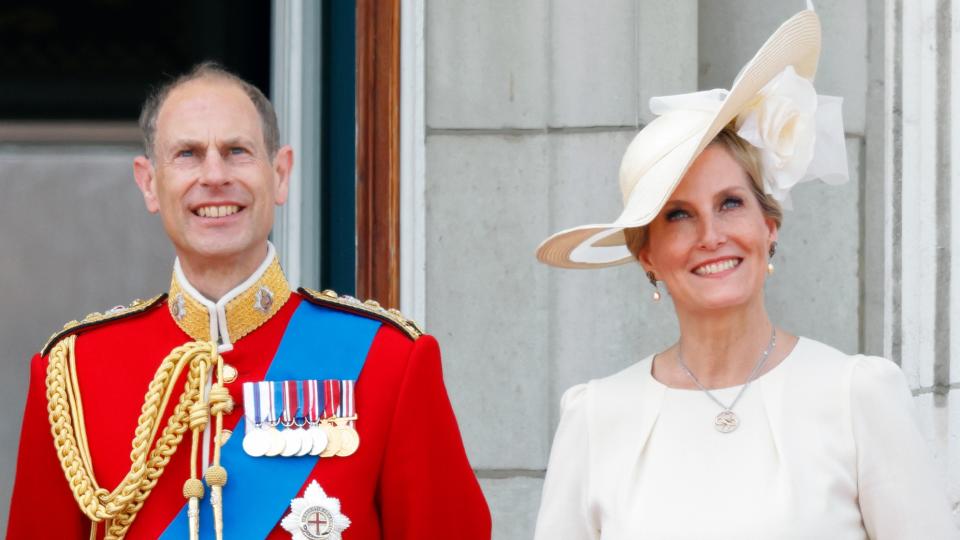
(327, 438)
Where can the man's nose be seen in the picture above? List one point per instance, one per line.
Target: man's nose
(214, 169)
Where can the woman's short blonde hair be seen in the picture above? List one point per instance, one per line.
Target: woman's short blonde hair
(748, 157)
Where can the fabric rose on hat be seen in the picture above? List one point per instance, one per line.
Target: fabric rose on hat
(781, 122)
(798, 133)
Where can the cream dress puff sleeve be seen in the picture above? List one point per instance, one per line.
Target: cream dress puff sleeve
(900, 495)
(564, 505)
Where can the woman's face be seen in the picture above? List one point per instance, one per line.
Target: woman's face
(710, 242)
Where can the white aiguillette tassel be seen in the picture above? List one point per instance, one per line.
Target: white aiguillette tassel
(198, 418)
(193, 491)
(216, 474)
(216, 478)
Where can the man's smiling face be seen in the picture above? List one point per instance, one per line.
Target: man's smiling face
(211, 177)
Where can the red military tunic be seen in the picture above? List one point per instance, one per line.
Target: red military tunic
(409, 479)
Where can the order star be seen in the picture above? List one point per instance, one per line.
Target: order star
(315, 516)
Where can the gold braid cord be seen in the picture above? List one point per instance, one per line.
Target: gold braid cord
(118, 508)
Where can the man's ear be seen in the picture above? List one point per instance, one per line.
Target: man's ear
(282, 165)
(145, 176)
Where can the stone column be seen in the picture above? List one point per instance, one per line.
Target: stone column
(920, 189)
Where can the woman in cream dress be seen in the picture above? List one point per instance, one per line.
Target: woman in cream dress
(740, 430)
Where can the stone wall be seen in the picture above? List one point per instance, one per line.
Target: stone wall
(76, 239)
(915, 189)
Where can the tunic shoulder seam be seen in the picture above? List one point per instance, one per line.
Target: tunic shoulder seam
(97, 318)
(370, 309)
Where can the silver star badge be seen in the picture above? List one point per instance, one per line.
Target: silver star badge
(263, 300)
(178, 308)
(315, 516)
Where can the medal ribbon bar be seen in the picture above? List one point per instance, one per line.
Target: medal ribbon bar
(314, 401)
(331, 394)
(291, 405)
(347, 402)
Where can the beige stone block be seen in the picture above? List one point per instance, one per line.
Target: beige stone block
(486, 64)
(486, 295)
(513, 504)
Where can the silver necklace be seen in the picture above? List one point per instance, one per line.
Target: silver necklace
(726, 420)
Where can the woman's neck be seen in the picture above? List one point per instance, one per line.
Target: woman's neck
(721, 348)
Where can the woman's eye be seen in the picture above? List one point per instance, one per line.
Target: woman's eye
(731, 202)
(674, 215)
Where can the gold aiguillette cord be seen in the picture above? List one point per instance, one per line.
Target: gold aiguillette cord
(118, 508)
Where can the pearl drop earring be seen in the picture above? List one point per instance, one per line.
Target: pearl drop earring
(656, 289)
(773, 249)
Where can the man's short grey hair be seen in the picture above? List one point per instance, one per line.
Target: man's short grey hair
(209, 70)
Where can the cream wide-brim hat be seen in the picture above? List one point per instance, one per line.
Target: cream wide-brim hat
(659, 156)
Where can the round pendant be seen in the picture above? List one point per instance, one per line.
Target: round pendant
(333, 440)
(306, 441)
(726, 421)
(291, 442)
(275, 442)
(349, 441)
(319, 436)
(255, 443)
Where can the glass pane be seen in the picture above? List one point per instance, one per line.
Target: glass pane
(96, 59)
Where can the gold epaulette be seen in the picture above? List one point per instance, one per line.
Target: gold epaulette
(97, 318)
(370, 308)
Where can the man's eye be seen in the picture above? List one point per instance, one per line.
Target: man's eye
(674, 215)
(185, 153)
(236, 150)
(731, 202)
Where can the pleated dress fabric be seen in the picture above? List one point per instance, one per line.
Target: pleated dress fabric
(827, 447)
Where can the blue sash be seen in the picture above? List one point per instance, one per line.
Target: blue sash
(318, 343)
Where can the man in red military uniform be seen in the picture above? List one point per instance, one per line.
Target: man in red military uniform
(233, 407)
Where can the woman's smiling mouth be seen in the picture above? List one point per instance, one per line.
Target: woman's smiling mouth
(716, 267)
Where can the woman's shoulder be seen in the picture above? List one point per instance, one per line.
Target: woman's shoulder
(815, 355)
(601, 403)
(624, 383)
(626, 379)
(623, 389)
(856, 372)
(613, 415)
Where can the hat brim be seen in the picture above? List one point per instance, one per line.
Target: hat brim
(796, 43)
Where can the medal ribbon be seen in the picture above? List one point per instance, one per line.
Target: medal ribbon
(260, 489)
(291, 403)
(251, 403)
(276, 390)
(331, 395)
(347, 402)
(268, 410)
(313, 400)
(299, 417)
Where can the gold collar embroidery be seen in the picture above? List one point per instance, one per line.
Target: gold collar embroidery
(239, 312)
